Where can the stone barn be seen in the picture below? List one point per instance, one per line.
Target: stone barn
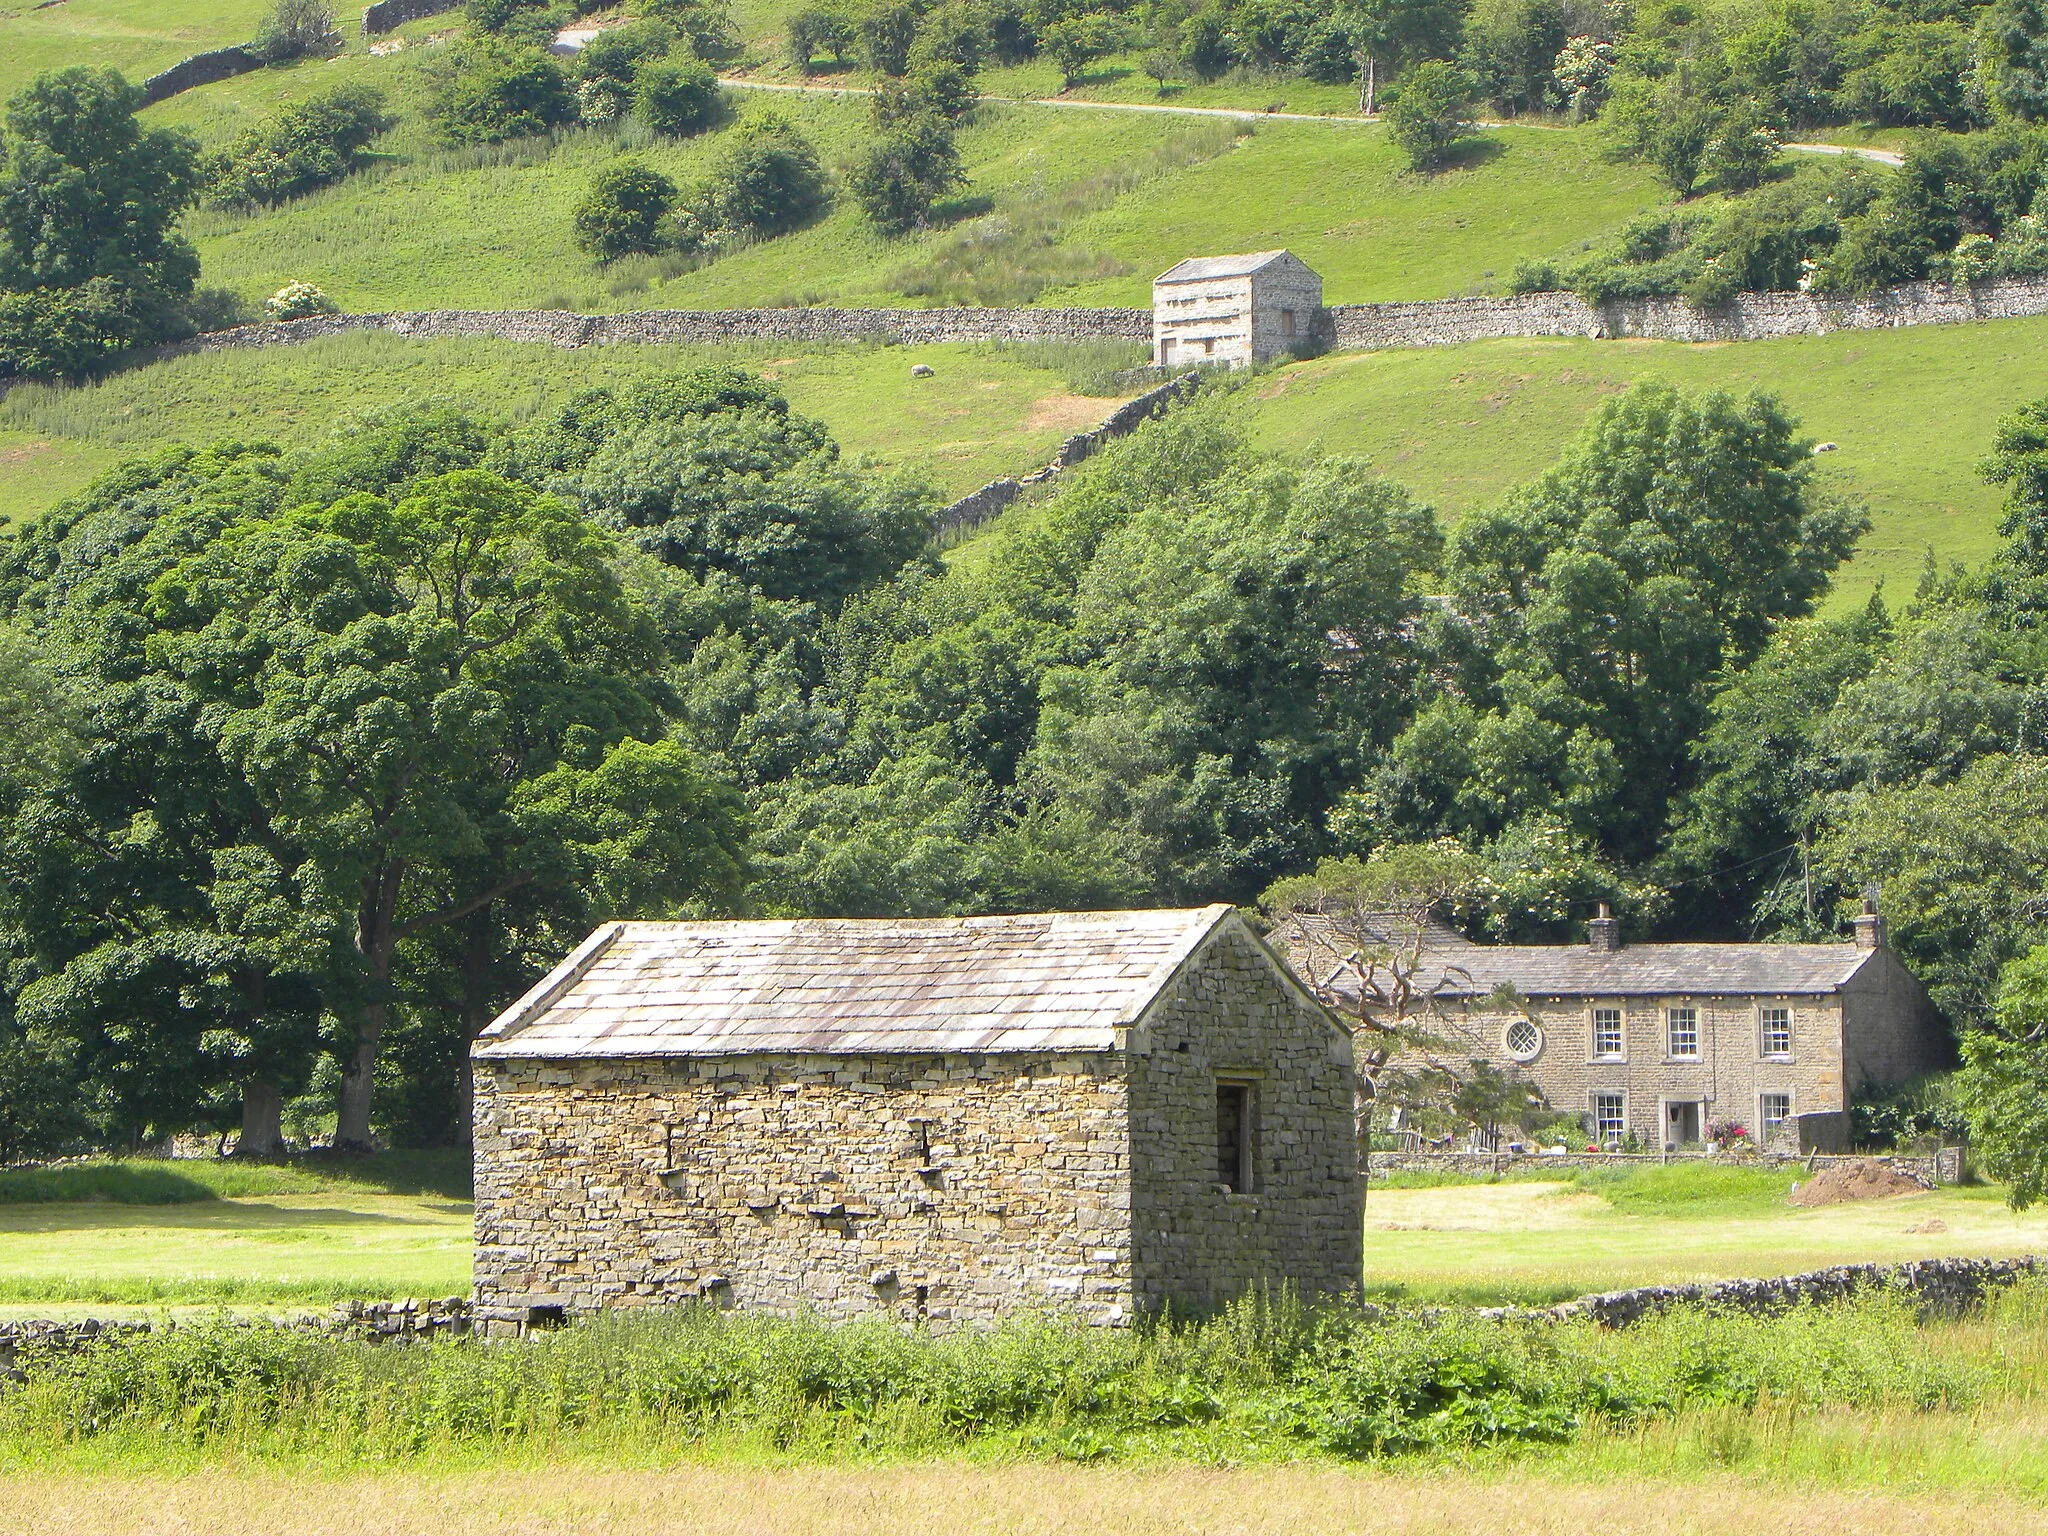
(1234, 309)
(938, 1120)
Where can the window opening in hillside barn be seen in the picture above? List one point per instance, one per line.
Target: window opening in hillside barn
(1607, 1034)
(1773, 1110)
(1682, 1031)
(1777, 1031)
(1208, 346)
(1235, 1107)
(1610, 1119)
(1286, 322)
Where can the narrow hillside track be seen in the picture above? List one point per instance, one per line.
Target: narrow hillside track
(1242, 114)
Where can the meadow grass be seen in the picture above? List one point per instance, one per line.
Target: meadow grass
(1268, 1379)
(984, 413)
(563, 1495)
(1911, 412)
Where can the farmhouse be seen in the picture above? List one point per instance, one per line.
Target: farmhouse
(1234, 309)
(1659, 1040)
(937, 1120)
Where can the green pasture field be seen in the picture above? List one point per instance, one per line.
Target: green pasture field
(984, 413)
(1066, 207)
(137, 37)
(1911, 412)
(138, 1234)
(1537, 1242)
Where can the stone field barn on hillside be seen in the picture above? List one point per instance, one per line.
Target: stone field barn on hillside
(934, 1119)
(1660, 1040)
(1234, 309)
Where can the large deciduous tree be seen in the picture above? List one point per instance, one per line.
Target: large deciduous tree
(442, 702)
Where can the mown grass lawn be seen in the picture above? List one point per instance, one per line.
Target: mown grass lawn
(1911, 411)
(130, 1236)
(1536, 1242)
(983, 413)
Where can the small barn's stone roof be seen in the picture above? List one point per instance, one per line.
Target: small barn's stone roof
(1471, 970)
(1202, 269)
(1053, 981)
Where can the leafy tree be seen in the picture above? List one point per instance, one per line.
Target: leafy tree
(1386, 32)
(89, 203)
(1430, 115)
(887, 30)
(618, 53)
(2019, 462)
(818, 29)
(942, 90)
(905, 172)
(1961, 867)
(2012, 47)
(1665, 546)
(766, 181)
(295, 29)
(311, 144)
(1078, 41)
(624, 211)
(677, 97)
(706, 25)
(1509, 48)
(1743, 149)
(443, 702)
(2003, 1084)
(491, 90)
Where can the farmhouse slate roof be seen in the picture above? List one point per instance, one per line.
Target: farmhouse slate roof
(1200, 269)
(1635, 970)
(1051, 981)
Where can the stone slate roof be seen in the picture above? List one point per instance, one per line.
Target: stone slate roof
(1198, 269)
(1635, 970)
(1054, 981)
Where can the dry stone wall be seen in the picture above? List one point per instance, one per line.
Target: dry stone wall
(199, 69)
(1944, 1286)
(1932, 1169)
(932, 1188)
(658, 327)
(1749, 317)
(388, 15)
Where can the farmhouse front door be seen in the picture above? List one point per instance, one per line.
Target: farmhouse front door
(1681, 1123)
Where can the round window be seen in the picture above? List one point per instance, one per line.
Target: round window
(1524, 1040)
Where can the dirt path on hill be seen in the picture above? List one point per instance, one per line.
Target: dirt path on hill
(1242, 114)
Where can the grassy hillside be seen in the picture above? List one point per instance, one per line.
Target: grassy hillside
(986, 412)
(137, 37)
(1911, 410)
(1063, 207)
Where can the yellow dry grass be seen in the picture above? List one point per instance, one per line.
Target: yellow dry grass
(954, 1500)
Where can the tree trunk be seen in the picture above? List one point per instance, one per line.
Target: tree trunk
(477, 1014)
(262, 1119)
(376, 942)
(1369, 86)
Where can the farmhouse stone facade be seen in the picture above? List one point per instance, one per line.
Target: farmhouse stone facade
(1656, 1041)
(933, 1120)
(1234, 310)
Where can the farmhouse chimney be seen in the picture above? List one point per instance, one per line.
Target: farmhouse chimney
(1869, 926)
(1603, 933)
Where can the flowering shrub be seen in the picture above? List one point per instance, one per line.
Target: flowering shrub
(297, 301)
(1581, 72)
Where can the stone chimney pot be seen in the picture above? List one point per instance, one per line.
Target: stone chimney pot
(1603, 933)
(1869, 926)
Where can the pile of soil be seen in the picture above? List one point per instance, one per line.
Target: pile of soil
(1864, 1180)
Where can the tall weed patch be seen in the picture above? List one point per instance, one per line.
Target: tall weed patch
(1269, 1376)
